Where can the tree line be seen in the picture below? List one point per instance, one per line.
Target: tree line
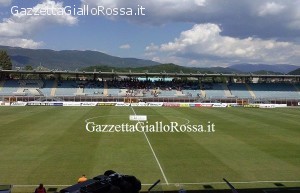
(5, 61)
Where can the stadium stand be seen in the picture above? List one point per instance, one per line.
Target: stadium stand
(54, 87)
(93, 91)
(297, 87)
(116, 92)
(228, 93)
(239, 90)
(159, 88)
(274, 90)
(214, 91)
(250, 90)
(9, 87)
(191, 93)
(66, 87)
(29, 88)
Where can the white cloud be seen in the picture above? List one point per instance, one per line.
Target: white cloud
(152, 50)
(21, 26)
(124, 46)
(205, 42)
(240, 18)
(152, 47)
(156, 11)
(271, 8)
(20, 42)
(152, 3)
(294, 23)
(5, 2)
(200, 2)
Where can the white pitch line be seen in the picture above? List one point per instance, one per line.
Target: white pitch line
(162, 171)
(200, 183)
(249, 182)
(26, 185)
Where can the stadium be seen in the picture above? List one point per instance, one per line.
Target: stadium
(249, 129)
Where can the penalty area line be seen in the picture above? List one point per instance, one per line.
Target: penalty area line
(185, 183)
(246, 182)
(153, 152)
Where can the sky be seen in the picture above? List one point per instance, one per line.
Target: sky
(198, 33)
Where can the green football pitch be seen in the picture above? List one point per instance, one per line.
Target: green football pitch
(52, 145)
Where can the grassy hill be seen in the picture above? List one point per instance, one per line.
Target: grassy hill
(295, 72)
(69, 59)
(265, 72)
(169, 68)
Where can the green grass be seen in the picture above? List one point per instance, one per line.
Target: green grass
(51, 145)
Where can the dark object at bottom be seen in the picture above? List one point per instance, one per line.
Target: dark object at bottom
(113, 183)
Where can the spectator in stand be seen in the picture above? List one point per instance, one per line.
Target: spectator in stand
(40, 189)
(82, 179)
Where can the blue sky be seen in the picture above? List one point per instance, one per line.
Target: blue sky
(199, 33)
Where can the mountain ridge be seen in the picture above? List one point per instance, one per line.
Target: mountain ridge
(278, 68)
(69, 59)
(88, 59)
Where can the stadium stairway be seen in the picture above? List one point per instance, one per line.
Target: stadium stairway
(105, 90)
(227, 91)
(54, 87)
(179, 93)
(80, 91)
(202, 91)
(2, 84)
(250, 91)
